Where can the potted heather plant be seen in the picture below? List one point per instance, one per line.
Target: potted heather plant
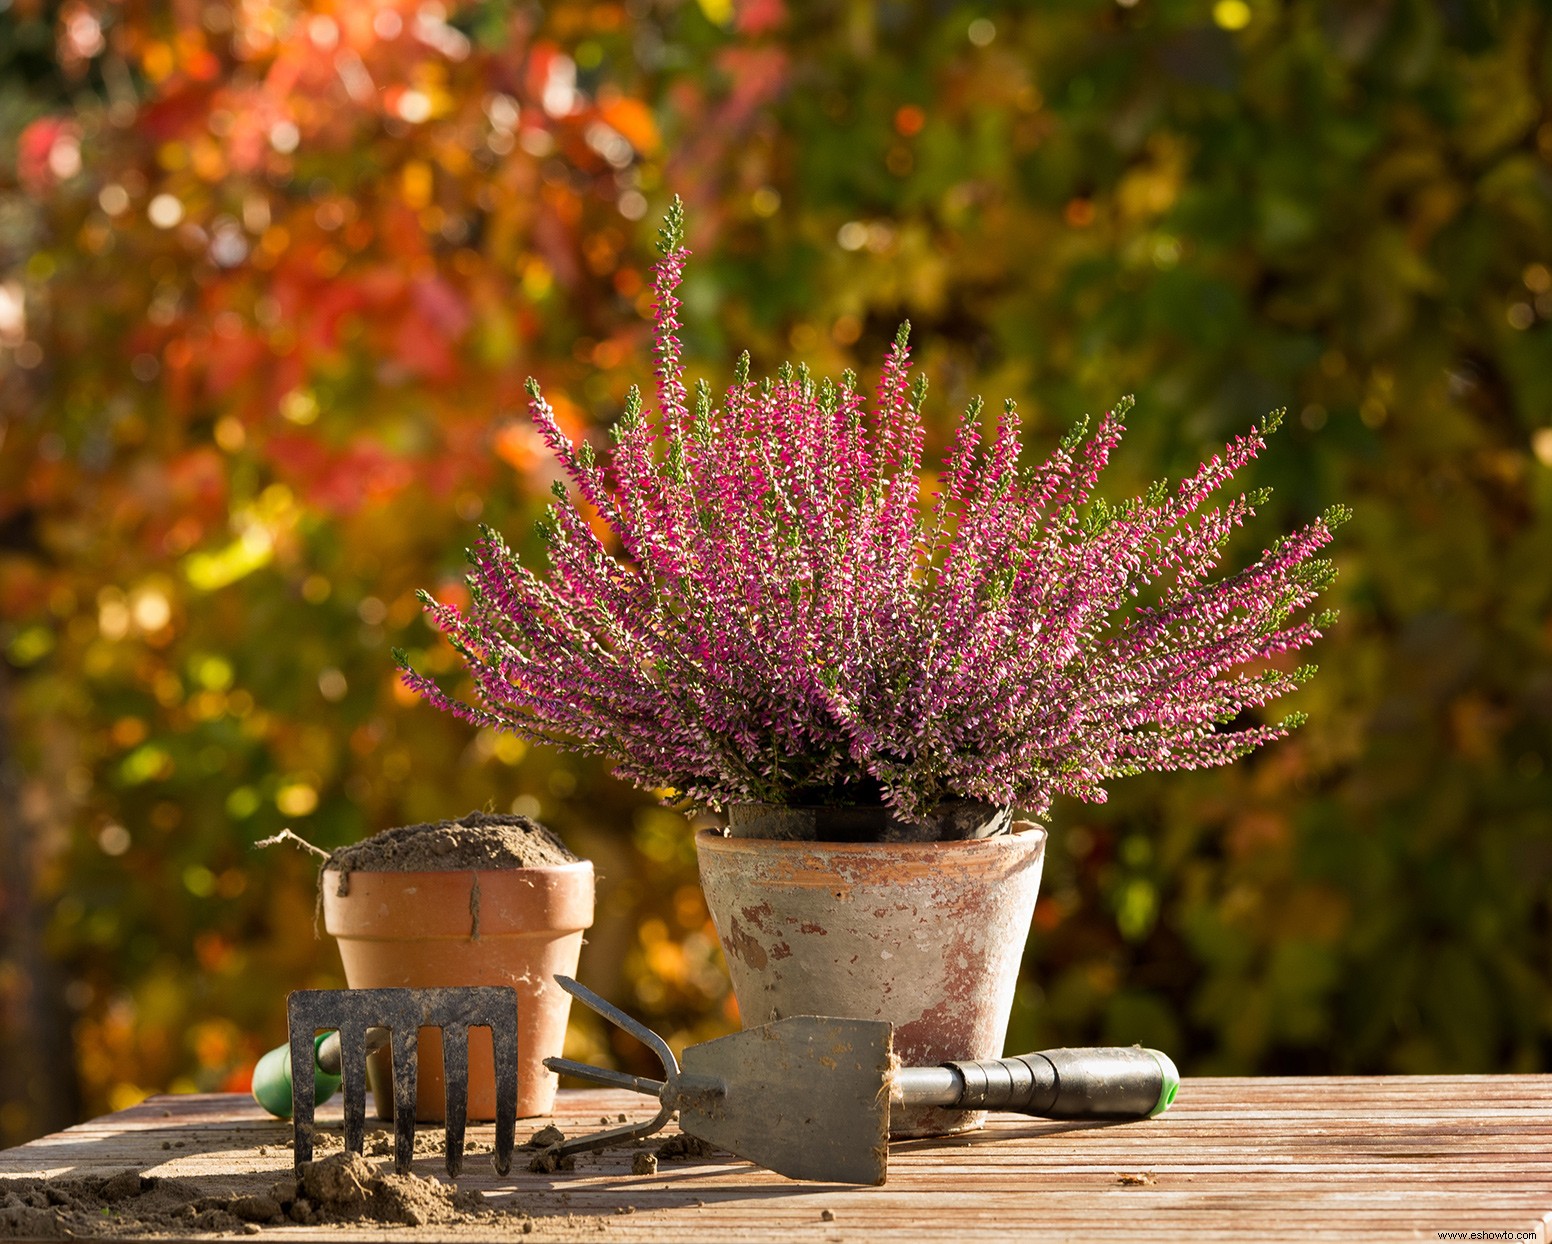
(882, 690)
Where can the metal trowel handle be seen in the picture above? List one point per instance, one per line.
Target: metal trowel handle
(1097, 1082)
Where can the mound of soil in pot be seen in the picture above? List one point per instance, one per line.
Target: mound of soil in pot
(481, 840)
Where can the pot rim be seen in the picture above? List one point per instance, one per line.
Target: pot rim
(558, 869)
(716, 840)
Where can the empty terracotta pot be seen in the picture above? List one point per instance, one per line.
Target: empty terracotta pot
(515, 927)
(927, 936)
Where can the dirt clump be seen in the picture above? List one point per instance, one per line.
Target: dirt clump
(546, 1136)
(685, 1147)
(345, 1187)
(548, 1161)
(644, 1163)
(480, 840)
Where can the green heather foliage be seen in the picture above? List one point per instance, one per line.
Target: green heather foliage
(234, 446)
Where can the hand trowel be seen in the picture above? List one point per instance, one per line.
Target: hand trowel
(809, 1097)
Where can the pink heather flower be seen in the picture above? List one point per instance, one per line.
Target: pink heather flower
(791, 621)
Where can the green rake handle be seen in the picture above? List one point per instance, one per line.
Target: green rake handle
(272, 1075)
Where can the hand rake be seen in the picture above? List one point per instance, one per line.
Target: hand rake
(364, 1020)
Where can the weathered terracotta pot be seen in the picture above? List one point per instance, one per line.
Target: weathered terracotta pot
(515, 927)
(927, 936)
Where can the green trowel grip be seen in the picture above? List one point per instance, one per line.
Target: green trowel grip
(1171, 1084)
(272, 1079)
(1117, 1082)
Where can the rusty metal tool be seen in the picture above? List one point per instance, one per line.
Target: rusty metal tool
(360, 1020)
(809, 1097)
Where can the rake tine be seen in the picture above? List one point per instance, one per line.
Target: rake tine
(353, 1073)
(396, 1016)
(506, 1093)
(406, 1047)
(303, 1089)
(455, 1074)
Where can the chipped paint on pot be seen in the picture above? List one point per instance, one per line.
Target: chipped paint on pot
(515, 926)
(927, 936)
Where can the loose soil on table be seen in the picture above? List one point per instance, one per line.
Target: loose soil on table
(481, 840)
(338, 1190)
(341, 1189)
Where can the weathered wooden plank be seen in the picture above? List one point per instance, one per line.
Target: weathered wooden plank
(1316, 1159)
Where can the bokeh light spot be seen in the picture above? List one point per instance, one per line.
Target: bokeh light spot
(164, 211)
(1231, 14)
(296, 799)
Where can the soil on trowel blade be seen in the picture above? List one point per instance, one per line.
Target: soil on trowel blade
(481, 840)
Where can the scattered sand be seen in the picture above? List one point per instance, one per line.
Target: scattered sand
(428, 1143)
(479, 840)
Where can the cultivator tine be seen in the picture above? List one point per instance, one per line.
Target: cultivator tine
(665, 1090)
(403, 1012)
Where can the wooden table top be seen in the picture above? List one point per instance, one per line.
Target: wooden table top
(1383, 1158)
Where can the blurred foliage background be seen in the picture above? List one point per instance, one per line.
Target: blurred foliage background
(272, 273)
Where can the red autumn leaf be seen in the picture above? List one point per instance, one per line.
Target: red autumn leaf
(35, 150)
(634, 120)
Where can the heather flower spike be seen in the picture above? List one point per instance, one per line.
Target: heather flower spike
(788, 619)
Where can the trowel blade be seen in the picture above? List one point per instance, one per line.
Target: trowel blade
(806, 1097)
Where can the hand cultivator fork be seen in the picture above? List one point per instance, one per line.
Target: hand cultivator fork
(809, 1097)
